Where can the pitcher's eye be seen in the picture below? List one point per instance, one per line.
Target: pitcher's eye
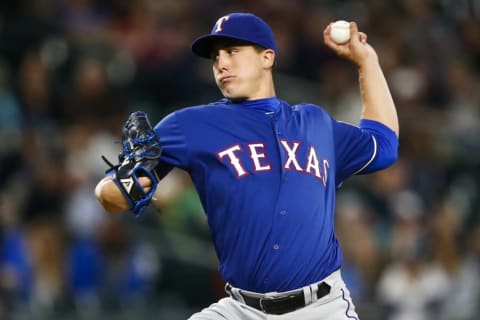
(232, 51)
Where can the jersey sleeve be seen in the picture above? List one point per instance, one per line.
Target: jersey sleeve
(172, 139)
(359, 150)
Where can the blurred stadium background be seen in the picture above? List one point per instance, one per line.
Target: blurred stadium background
(72, 70)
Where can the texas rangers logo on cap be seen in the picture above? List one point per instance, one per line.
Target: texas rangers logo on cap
(218, 24)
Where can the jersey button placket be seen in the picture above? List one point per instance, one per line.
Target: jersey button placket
(278, 134)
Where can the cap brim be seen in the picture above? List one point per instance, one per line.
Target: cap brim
(203, 45)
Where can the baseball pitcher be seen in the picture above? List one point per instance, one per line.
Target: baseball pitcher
(265, 171)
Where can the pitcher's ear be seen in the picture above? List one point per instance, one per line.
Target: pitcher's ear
(269, 58)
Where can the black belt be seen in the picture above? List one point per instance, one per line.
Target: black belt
(280, 305)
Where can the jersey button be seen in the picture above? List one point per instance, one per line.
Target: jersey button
(276, 246)
(283, 212)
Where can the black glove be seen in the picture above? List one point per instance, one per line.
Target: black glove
(139, 157)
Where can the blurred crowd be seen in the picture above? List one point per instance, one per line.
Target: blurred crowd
(72, 70)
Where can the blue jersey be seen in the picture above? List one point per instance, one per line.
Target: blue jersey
(266, 174)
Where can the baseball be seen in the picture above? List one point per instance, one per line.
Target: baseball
(340, 31)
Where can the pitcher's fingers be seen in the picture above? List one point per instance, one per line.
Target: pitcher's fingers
(145, 182)
(362, 37)
(353, 30)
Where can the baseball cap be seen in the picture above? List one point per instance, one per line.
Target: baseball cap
(237, 26)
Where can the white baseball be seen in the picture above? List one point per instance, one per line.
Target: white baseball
(340, 31)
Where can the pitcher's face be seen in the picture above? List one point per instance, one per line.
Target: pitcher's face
(240, 71)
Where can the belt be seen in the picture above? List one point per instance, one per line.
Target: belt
(278, 304)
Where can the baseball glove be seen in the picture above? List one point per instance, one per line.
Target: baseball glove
(139, 157)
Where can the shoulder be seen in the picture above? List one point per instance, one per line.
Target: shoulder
(310, 110)
(193, 110)
(202, 108)
(308, 107)
(195, 114)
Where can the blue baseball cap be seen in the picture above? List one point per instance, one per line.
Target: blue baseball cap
(237, 26)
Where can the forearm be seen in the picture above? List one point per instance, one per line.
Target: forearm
(377, 101)
(110, 197)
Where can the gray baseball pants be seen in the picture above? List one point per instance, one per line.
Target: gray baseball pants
(337, 305)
